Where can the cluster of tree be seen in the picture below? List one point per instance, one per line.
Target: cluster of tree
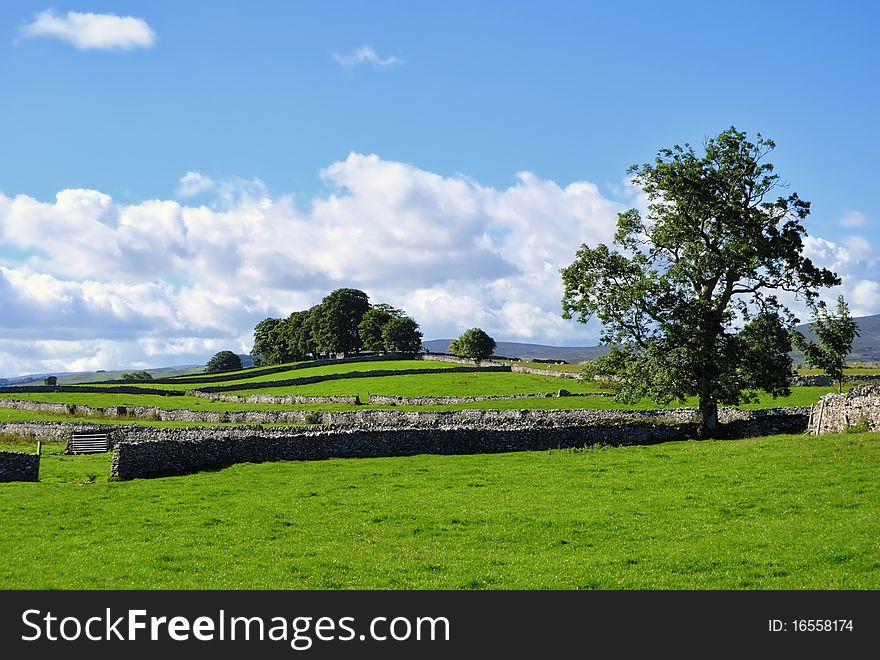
(344, 322)
(136, 376)
(687, 300)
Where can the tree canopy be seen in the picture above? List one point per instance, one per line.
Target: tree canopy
(474, 344)
(371, 326)
(687, 301)
(835, 333)
(223, 361)
(401, 334)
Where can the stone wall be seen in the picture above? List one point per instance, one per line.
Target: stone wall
(837, 412)
(19, 466)
(516, 368)
(443, 419)
(380, 399)
(308, 380)
(61, 430)
(265, 371)
(287, 399)
(821, 380)
(99, 389)
(161, 452)
(168, 457)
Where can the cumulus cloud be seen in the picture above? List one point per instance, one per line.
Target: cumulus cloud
(94, 283)
(857, 264)
(92, 31)
(366, 55)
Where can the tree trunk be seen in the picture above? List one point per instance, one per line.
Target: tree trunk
(708, 418)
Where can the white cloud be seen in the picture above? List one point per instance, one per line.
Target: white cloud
(194, 183)
(854, 220)
(161, 282)
(92, 31)
(366, 55)
(864, 298)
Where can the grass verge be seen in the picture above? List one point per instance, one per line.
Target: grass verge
(783, 512)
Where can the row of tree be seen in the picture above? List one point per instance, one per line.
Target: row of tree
(344, 322)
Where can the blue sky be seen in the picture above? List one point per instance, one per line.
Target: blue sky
(409, 149)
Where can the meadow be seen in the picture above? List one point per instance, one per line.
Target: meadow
(440, 381)
(783, 512)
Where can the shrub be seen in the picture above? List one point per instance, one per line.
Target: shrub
(862, 426)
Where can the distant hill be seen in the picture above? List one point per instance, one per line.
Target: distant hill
(866, 347)
(572, 354)
(76, 377)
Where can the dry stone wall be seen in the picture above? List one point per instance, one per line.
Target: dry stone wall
(62, 430)
(838, 412)
(160, 452)
(287, 399)
(790, 420)
(381, 399)
(821, 380)
(308, 380)
(19, 466)
(516, 368)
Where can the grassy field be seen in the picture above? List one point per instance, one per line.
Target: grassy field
(423, 385)
(786, 512)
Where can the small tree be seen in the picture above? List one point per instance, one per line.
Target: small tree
(474, 344)
(402, 335)
(50, 381)
(835, 333)
(223, 361)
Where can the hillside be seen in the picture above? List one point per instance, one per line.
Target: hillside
(573, 354)
(866, 347)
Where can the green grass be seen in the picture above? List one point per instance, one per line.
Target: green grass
(787, 512)
(546, 366)
(439, 384)
(847, 371)
(344, 367)
(464, 383)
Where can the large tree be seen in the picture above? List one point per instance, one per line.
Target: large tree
(708, 259)
(223, 361)
(401, 334)
(835, 333)
(371, 326)
(336, 327)
(266, 349)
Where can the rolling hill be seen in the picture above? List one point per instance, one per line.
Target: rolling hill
(866, 346)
